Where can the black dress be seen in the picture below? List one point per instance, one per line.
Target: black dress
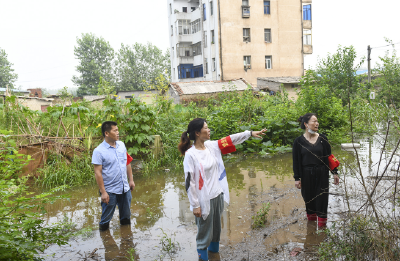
(311, 166)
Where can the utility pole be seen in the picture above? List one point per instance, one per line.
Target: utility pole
(369, 64)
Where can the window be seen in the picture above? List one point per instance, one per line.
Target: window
(193, 8)
(247, 62)
(307, 37)
(195, 26)
(245, 9)
(246, 35)
(204, 12)
(306, 12)
(213, 65)
(170, 8)
(206, 66)
(267, 9)
(212, 37)
(172, 30)
(267, 36)
(184, 9)
(268, 62)
(173, 74)
(172, 52)
(211, 8)
(205, 40)
(183, 27)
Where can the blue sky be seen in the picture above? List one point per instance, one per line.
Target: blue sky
(39, 35)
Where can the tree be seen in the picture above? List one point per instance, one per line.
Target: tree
(389, 77)
(141, 65)
(338, 72)
(7, 75)
(95, 57)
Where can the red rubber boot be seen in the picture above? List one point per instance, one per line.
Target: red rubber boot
(312, 217)
(322, 222)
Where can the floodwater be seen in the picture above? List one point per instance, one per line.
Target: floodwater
(160, 211)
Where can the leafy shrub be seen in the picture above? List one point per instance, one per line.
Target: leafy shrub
(23, 232)
(261, 217)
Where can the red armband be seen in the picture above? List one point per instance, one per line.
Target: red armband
(128, 159)
(226, 146)
(333, 162)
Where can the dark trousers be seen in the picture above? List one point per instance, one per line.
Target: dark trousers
(123, 201)
(315, 190)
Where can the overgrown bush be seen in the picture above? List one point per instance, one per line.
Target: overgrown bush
(23, 231)
(59, 171)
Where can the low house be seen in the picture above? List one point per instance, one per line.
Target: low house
(35, 104)
(147, 96)
(185, 91)
(274, 84)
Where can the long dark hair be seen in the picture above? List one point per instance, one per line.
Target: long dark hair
(305, 119)
(190, 134)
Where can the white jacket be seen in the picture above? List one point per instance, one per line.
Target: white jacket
(195, 184)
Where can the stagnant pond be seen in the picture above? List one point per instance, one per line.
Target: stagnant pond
(160, 207)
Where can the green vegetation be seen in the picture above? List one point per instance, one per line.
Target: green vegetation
(23, 231)
(261, 217)
(168, 245)
(7, 75)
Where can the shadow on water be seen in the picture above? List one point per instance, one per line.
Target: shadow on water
(160, 204)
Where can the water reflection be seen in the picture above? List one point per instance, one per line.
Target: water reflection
(112, 251)
(161, 203)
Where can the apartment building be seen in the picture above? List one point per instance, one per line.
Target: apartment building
(213, 40)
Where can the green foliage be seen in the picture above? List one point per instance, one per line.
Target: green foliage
(139, 66)
(131, 254)
(338, 73)
(319, 99)
(135, 121)
(23, 232)
(261, 217)
(95, 57)
(168, 244)
(59, 171)
(358, 238)
(105, 88)
(7, 75)
(388, 79)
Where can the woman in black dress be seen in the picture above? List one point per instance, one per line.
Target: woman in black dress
(311, 169)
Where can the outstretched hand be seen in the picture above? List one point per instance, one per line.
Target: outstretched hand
(257, 134)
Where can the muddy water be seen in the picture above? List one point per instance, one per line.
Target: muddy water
(160, 208)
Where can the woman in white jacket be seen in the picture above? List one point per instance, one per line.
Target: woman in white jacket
(205, 179)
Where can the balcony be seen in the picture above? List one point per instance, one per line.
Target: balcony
(307, 49)
(245, 11)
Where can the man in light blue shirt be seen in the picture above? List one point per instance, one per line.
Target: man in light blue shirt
(112, 173)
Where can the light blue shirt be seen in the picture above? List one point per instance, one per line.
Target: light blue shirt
(113, 162)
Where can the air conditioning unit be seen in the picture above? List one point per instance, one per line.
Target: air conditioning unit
(246, 38)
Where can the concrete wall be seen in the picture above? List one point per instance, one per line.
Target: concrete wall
(285, 22)
(34, 104)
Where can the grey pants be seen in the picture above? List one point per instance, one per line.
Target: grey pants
(209, 230)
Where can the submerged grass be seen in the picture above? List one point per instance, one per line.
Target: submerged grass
(58, 171)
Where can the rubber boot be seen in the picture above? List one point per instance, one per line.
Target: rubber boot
(214, 247)
(104, 227)
(312, 217)
(203, 254)
(322, 222)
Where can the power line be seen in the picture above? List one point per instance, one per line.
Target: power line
(384, 45)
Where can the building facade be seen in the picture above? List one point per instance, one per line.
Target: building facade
(213, 40)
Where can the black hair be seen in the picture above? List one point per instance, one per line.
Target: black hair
(305, 119)
(190, 134)
(107, 126)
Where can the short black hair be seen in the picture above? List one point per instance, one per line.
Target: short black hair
(107, 126)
